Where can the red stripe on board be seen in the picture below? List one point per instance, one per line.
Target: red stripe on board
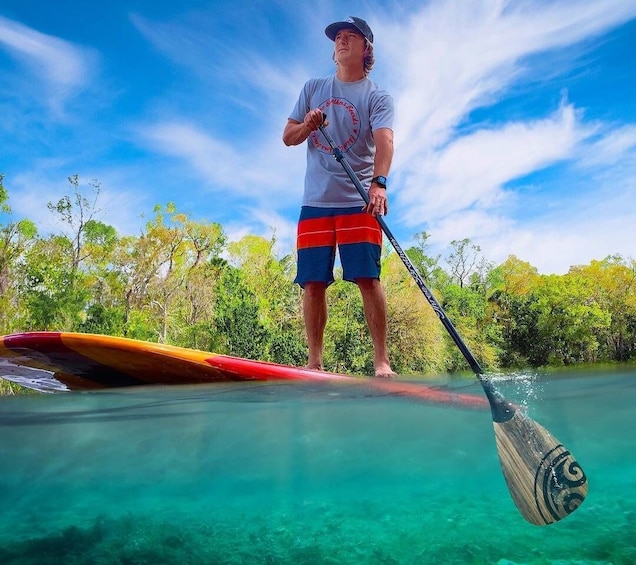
(261, 370)
(46, 340)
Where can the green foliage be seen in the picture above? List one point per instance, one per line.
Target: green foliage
(415, 335)
(568, 320)
(180, 282)
(238, 330)
(287, 348)
(4, 196)
(426, 265)
(463, 260)
(101, 319)
(54, 292)
(348, 345)
(8, 388)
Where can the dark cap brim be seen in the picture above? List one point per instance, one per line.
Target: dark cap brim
(332, 29)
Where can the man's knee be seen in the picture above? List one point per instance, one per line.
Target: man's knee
(315, 289)
(367, 283)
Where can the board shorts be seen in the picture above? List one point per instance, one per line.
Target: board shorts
(356, 234)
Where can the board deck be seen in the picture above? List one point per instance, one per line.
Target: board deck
(52, 361)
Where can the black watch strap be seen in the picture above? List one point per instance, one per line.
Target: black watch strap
(380, 181)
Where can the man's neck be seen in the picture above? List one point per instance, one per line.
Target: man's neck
(350, 74)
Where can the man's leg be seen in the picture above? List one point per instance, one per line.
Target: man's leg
(315, 314)
(374, 302)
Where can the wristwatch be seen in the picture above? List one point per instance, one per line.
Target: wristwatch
(380, 181)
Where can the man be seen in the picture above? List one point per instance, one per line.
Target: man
(360, 119)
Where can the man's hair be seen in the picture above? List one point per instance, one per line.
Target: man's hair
(369, 59)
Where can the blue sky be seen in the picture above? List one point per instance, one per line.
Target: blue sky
(515, 126)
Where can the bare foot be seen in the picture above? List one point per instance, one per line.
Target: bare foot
(385, 372)
(314, 367)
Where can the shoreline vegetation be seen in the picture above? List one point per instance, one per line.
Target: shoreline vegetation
(181, 282)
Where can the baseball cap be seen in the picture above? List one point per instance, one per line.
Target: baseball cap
(349, 22)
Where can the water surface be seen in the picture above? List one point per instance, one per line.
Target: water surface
(297, 473)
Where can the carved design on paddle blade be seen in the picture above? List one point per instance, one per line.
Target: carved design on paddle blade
(545, 481)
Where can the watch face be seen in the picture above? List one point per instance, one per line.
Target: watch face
(382, 180)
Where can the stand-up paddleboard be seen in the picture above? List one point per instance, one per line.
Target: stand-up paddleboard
(50, 361)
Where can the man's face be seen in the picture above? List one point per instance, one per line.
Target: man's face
(349, 46)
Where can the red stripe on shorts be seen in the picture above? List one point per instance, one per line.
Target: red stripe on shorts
(318, 232)
(343, 229)
(358, 228)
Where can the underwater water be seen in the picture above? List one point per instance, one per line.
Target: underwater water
(306, 473)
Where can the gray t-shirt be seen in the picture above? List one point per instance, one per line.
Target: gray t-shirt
(354, 110)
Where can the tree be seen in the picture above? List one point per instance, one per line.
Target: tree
(194, 302)
(15, 239)
(467, 310)
(185, 246)
(270, 279)
(78, 211)
(463, 259)
(348, 347)
(237, 327)
(135, 261)
(426, 265)
(415, 335)
(56, 296)
(510, 309)
(568, 322)
(612, 286)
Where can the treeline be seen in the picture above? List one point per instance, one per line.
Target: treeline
(181, 282)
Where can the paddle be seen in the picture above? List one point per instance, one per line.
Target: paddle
(545, 482)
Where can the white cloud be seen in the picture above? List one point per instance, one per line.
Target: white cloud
(216, 140)
(554, 246)
(473, 170)
(65, 67)
(268, 173)
(611, 147)
(455, 56)
(453, 176)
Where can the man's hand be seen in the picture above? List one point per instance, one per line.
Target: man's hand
(313, 119)
(378, 204)
(297, 132)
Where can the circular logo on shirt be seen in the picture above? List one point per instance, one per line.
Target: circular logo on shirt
(345, 121)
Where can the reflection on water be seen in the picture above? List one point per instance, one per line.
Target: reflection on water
(293, 473)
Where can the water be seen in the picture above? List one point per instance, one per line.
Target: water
(320, 473)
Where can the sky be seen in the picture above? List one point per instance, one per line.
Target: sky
(515, 120)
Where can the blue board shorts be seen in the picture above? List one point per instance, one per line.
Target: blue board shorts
(356, 234)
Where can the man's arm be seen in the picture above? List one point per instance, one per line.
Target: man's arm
(383, 138)
(297, 132)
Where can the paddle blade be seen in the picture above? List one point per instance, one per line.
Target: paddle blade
(545, 481)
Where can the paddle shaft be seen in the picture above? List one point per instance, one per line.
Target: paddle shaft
(502, 410)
